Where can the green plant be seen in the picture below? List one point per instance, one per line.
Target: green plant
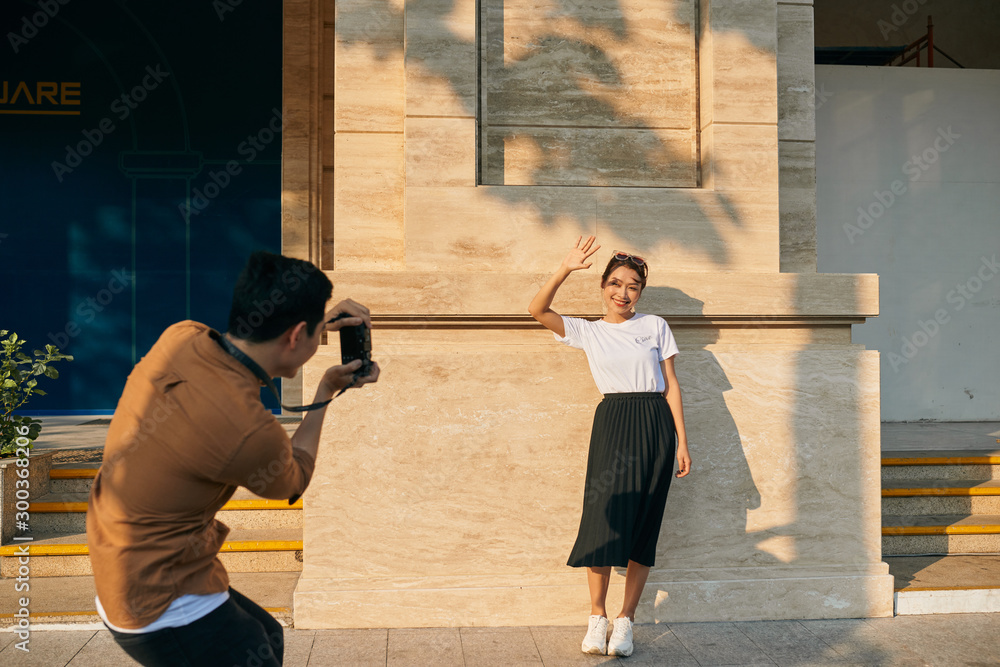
(19, 382)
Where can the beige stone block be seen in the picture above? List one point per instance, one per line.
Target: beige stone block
(690, 230)
(326, 68)
(299, 135)
(562, 84)
(627, 64)
(322, 603)
(786, 332)
(797, 161)
(683, 229)
(368, 21)
(368, 201)
(300, 131)
(706, 165)
(797, 205)
(369, 87)
(798, 231)
(326, 225)
(461, 291)
(494, 228)
(849, 593)
(296, 207)
(796, 73)
(591, 156)
(765, 295)
(706, 65)
(744, 157)
(431, 467)
(825, 595)
(743, 61)
(326, 123)
(440, 152)
(441, 58)
(790, 444)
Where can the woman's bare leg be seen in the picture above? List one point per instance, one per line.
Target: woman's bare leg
(598, 579)
(635, 581)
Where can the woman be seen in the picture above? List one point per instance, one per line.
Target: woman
(632, 445)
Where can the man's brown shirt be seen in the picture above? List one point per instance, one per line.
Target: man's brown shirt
(189, 428)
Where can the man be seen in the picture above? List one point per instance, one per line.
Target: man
(189, 429)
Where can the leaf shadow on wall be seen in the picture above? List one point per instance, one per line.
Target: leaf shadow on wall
(565, 63)
(709, 511)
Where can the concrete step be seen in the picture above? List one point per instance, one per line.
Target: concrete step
(72, 477)
(67, 513)
(940, 534)
(261, 550)
(940, 496)
(914, 506)
(943, 464)
(71, 599)
(946, 585)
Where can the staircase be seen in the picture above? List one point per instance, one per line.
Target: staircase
(941, 529)
(265, 538)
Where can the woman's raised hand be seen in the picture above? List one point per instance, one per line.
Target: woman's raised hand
(581, 252)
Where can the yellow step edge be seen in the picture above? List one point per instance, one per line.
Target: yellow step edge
(262, 504)
(940, 460)
(941, 530)
(82, 550)
(55, 614)
(262, 545)
(941, 492)
(73, 473)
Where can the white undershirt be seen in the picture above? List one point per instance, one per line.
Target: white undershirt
(185, 609)
(623, 357)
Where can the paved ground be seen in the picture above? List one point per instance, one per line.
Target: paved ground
(945, 640)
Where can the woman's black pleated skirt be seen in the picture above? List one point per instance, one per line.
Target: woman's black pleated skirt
(631, 462)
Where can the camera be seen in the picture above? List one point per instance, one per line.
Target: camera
(356, 343)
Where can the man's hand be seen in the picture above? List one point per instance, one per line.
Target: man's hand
(357, 314)
(338, 377)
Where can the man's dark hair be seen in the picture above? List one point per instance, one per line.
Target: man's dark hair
(274, 293)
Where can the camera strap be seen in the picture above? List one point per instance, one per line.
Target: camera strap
(255, 368)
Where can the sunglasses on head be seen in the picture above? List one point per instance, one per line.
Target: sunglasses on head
(624, 257)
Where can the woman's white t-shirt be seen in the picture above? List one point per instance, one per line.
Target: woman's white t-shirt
(623, 357)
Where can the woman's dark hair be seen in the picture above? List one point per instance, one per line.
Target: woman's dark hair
(274, 293)
(641, 269)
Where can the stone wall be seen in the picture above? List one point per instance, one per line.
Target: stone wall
(448, 170)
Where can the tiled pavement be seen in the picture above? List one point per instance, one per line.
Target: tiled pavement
(946, 640)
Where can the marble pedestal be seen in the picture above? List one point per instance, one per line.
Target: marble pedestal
(449, 494)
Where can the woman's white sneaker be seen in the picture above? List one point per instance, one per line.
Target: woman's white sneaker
(596, 641)
(621, 638)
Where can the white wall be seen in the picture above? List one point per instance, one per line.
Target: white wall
(918, 150)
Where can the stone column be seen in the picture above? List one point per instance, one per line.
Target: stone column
(450, 493)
